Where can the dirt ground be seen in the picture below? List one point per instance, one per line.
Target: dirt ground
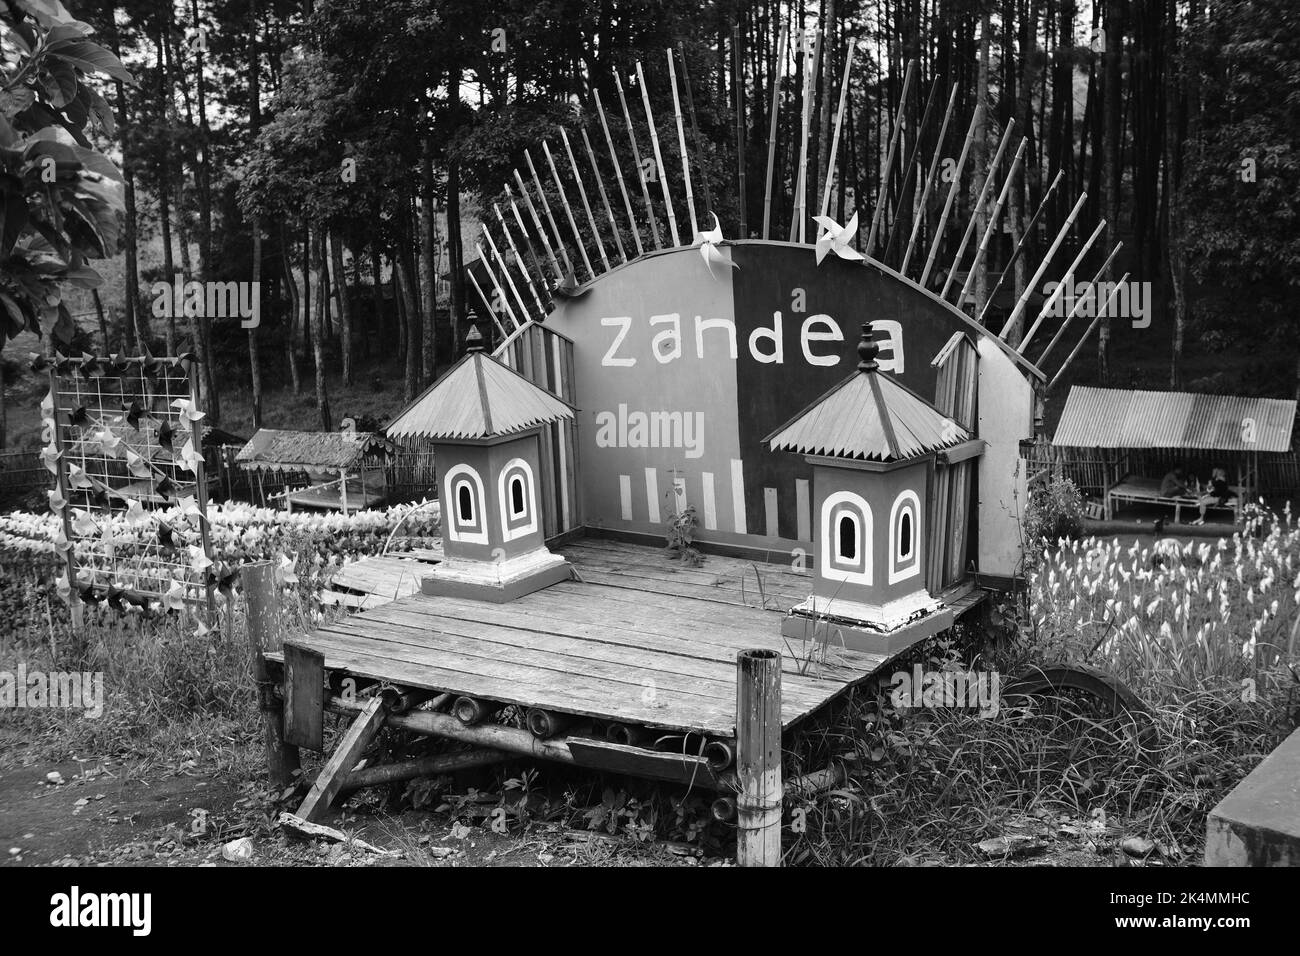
(101, 814)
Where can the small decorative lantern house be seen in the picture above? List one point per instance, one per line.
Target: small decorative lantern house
(484, 420)
(872, 444)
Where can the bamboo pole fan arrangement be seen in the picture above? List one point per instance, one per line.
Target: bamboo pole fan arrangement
(538, 246)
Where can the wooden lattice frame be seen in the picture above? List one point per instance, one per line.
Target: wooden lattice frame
(123, 433)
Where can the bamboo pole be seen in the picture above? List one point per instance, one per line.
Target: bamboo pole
(505, 269)
(952, 195)
(883, 195)
(695, 128)
(514, 319)
(1101, 312)
(636, 158)
(618, 171)
(681, 145)
(546, 207)
(798, 220)
(265, 629)
(758, 757)
(994, 216)
(604, 197)
(537, 224)
(738, 95)
(1042, 266)
(660, 169)
(839, 122)
(774, 110)
(983, 195)
(582, 192)
(495, 736)
(1079, 304)
(568, 210)
(523, 231)
(430, 766)
(908, 168)
(1060, 288)
(1024, 241)
(929, 181)
(528, 276)
(487, 304)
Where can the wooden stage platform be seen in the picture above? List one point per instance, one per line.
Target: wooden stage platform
(637, 639)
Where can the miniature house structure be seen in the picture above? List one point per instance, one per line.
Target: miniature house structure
(484, 422)
(872, 445)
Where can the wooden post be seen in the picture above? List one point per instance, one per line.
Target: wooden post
(262, 620)
(758, 757)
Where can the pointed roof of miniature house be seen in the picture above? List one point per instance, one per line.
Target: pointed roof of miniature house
(868, 416)
(478, 398)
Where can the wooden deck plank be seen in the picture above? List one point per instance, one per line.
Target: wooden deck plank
(524, 645)
(725, 574)
(626, 638)
(605, 699)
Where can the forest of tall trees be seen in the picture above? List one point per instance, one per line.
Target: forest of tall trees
(340, 152)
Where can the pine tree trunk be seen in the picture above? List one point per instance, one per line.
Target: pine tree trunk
(411, 382)
(1110, 173)
(291, 320)
(428, 262)
(345, 307)
(318, 332)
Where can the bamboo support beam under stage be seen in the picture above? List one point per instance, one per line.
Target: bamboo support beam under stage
(978, 204)
(839, 123)
(1102, 312)
(661, 171)
(758, 758)
(919, 219)
(883, 195)
(991, 226)
(953, 188)
(636, 158)
(546, 207)
(1042, 266)
(1079, 303)
(774, 110)
(1055, 297)
(604, 197)
(582, 193)
(430, 766)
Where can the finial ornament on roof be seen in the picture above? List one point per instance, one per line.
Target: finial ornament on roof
(867, 350)
(474, 338)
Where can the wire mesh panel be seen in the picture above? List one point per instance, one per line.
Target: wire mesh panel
(123, 435)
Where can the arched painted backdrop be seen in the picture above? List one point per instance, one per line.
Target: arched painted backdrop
(680, 371)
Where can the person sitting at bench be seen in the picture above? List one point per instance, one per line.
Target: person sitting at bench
(1174, 485)
(1216, 493)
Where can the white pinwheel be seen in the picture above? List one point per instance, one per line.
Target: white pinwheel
(709, 240)
(835, 238)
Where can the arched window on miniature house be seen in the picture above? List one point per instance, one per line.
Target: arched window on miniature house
(846, 538)
(518, 497)
(904, 537)
(463, 505)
